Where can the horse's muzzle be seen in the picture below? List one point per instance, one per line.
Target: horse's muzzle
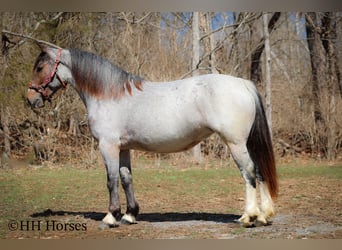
(34, 99)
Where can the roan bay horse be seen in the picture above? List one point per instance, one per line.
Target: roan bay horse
(126, 112)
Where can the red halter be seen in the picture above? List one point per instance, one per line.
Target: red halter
(41, 88)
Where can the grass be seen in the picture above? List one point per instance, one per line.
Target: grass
(26, 191)
(334, 171)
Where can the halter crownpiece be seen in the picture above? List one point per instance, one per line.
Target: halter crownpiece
(41, 88)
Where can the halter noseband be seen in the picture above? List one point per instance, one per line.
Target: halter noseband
(41, 88)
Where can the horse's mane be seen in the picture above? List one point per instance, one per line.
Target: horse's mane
(96, 76)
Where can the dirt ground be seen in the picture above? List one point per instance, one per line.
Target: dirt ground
(307, 208)
(309, 215)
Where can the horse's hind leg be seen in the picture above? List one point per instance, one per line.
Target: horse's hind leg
(247, 169)
(127, 184)
(267, 209)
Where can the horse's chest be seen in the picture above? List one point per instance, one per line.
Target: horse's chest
(104, 123)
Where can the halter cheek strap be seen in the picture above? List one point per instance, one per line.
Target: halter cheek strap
(41, 88)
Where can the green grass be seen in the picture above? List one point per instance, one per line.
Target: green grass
(24, 192)
(310, 171)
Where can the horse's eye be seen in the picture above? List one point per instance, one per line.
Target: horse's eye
(39, 69)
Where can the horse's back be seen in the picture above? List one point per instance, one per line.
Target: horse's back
(196, 107)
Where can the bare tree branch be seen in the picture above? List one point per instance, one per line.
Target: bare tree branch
(30, 38)
(58, 15)
(247, 19)
(133, 21)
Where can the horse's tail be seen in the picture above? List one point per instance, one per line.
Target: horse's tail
(260, 148)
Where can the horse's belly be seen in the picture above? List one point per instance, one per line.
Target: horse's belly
(167, 143)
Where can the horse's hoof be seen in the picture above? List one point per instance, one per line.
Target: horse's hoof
(128, 219)
(104, 225)
(247, 221)
(261, 221)
(109, 222)
(246, 224)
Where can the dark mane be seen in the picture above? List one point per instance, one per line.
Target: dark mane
(96, 76)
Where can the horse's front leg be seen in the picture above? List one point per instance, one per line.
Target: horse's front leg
(127, 184)
(110, 153)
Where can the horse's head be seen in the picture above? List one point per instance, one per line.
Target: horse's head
(48, 76)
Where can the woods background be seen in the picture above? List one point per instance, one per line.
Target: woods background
(293, 58)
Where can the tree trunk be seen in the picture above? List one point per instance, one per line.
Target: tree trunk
(195, 60)
(255, 73)
(267, 72)
(329, 36)
(4, 122)
(195, 44)
(326, 91)
(318, 63)
(212, 58)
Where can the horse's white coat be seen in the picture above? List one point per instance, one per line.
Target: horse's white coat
(173, 116)
(266, 201)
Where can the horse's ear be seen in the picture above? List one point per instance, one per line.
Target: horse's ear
(51, 51)
(43, 47)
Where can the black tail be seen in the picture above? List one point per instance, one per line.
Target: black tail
(260, 148)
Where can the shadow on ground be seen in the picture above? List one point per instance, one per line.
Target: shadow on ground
(87, 215)
(149, 217)
(172, 217)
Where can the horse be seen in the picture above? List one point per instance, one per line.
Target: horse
(127, 112)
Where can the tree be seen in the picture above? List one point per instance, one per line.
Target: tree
(326, 93)
(326, 79)
(211, 47)
(255, 70)
(195, 64)
(268, 89)
(306, 79)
